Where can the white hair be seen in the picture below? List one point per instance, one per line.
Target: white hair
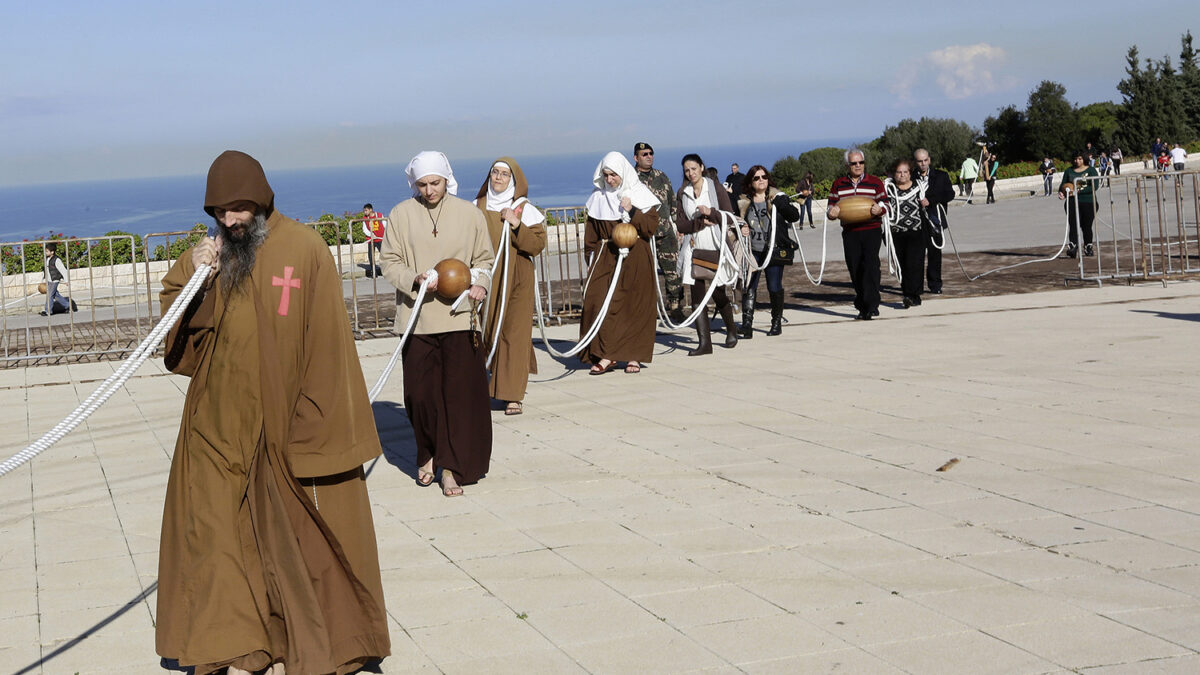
(853, 151)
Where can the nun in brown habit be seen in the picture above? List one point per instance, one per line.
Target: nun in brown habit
(268, 555)
(627, 333)
(504, 200)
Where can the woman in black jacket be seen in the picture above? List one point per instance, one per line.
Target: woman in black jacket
(761, 203)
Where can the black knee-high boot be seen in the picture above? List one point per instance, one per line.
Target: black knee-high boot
(725, 307)
(776, 313)
(747, 330)
(704, 345)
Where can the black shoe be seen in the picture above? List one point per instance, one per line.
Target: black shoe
(746, 332)
(676, 316)
(1088, 250)
(936, 292)
(776, 326)
(916, 301)
(875, 312)
(1072, 252)
(907, 302)
(42, 313)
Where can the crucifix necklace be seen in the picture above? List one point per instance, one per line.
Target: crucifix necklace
(435, 220)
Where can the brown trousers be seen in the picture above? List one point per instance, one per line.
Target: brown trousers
(446, 398)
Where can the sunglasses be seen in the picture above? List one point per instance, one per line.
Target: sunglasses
(857, 163)
(759, 177)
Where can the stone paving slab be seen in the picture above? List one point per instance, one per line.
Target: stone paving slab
(769, 509)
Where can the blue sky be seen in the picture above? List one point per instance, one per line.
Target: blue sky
(93, 90)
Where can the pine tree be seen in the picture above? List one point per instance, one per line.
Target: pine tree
(1189, 85)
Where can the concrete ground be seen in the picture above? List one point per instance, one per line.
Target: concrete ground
(771, 508)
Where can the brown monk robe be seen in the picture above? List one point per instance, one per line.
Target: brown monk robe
(268, 548)
(514, 359)
(628, 331)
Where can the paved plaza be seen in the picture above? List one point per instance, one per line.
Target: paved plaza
(774, 508)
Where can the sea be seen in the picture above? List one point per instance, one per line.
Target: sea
(173, 203)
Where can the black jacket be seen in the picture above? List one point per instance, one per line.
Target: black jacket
(940, 191)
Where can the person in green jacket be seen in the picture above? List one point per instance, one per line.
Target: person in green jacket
(967, 175)
(1085, 213)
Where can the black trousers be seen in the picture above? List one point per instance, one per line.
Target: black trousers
(1087, 214)
(446, 398)
(910, 252)
(933, 255)
(861, 249)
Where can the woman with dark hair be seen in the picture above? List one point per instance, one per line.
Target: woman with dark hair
(990, 167)
(909, 223)
(700, 260)
(1087, 204)
(804, 192)
(760, 205)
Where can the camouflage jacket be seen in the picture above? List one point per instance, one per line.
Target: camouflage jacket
(660, 185)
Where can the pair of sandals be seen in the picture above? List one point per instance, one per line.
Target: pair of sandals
(599, 368)
(425, 479)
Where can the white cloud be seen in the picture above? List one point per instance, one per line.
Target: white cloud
(960, 71)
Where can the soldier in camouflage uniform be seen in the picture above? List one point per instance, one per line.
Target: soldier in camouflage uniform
(666, 239)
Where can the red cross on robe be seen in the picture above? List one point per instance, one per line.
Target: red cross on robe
(288, 283)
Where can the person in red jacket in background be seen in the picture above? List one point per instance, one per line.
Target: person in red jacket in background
(373, 228)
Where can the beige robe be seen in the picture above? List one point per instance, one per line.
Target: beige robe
(268, 548)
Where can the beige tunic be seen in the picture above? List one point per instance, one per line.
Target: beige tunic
(410, 248)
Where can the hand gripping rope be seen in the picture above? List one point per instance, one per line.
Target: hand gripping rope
(725, 256)
(115, 381)
(599, 320)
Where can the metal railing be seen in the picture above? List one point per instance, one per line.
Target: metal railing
(1146, 227)
(119, 302)
(101, 291)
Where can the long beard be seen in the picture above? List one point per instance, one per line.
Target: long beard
(238, 254)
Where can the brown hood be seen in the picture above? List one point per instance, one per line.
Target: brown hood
(520, 186)
(236, 176)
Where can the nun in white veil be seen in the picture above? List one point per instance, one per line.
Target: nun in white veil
(627, 334)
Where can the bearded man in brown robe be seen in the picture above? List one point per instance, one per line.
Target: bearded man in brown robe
(268, 555)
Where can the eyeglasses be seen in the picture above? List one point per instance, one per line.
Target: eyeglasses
(646, 153)
(759, 177)
(857, 163)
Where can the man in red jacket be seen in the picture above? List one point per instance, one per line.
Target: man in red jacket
(373, 228)
(861, 240)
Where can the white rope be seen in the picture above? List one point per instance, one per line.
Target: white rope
(1061, 248)
(412, 321)
(824, 249)
(751, 265)
(503, 299)
(724, 254)
(594, 330)
(115, 381)
(892, 216)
